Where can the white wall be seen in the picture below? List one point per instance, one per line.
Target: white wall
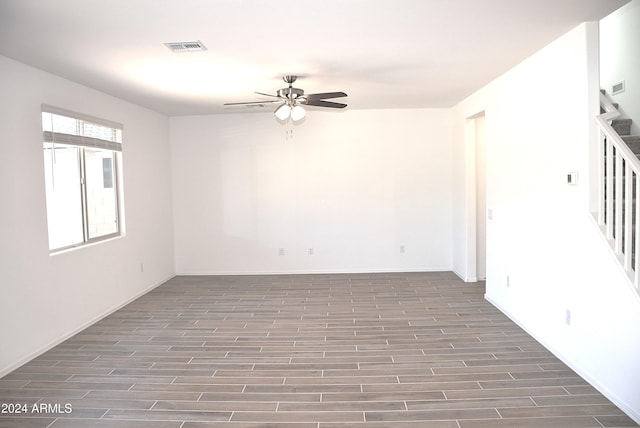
(539, 127)
(620, 59)
(47, 298)
(353, 185)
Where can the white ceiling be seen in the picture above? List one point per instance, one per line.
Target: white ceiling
(383, 53)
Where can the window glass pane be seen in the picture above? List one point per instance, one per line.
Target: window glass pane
(102, 211)
(80, 156)
(64, 208)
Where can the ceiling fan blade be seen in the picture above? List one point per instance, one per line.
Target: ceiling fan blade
(322, 96)
(255, 103)
(266, 95)
(322, 103)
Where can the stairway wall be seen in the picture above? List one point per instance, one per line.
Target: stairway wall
(547, 266)
(619, 59)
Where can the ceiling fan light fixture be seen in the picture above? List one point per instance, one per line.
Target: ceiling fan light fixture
(283, 112)
(298, 113)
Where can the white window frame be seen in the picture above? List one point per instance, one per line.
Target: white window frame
(83, 143)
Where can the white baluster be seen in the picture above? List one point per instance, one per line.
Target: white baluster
(628, 210)
(636, 264)
(618, 214)
(609, 191)
(602, 148)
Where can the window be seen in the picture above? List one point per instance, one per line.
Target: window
(81, 158)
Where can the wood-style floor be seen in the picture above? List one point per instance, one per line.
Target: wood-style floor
(305, 351)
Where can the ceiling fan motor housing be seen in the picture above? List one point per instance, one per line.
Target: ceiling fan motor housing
(290, 93)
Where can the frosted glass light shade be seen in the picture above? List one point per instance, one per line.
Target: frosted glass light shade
(283, 112)
(297, 113)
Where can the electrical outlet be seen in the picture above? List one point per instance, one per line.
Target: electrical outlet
(567, 317)
(402, 249)
(281, 252)
(508, 283)
(311, 251)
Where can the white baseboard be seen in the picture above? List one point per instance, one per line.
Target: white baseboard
(465, 278)
(311, 271)
(6, 370)
(631, 412)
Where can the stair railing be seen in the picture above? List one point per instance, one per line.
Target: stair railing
(618, 213)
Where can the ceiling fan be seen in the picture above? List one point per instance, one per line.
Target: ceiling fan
(290, 101)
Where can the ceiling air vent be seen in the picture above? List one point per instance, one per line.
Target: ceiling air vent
(186, 46)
